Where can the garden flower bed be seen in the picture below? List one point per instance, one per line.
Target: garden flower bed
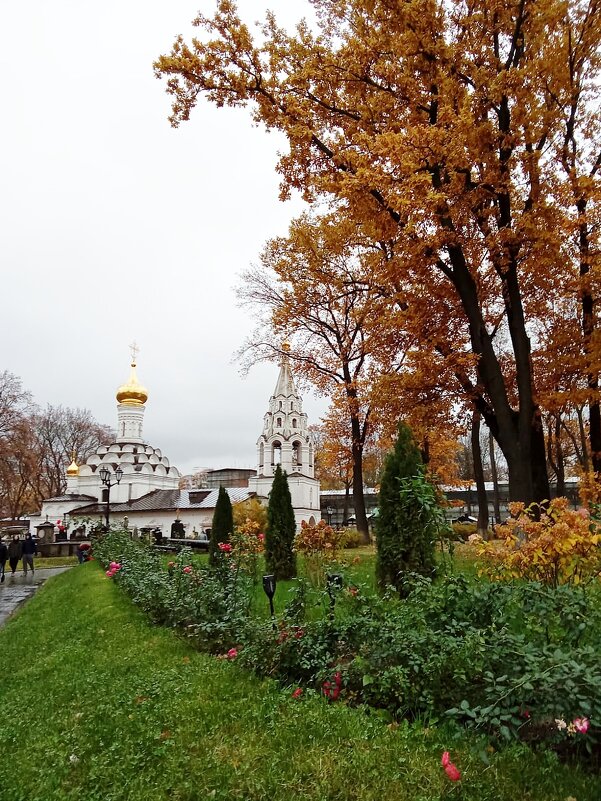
(505, 659)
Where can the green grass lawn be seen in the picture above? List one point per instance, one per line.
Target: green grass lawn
(54, 561)
(99, 704)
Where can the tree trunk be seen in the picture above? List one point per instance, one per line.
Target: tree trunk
(588, 330)
(479, 476)
(346, 502)
(358, 497)
(494, 476)
(559, 460)
(584, 446)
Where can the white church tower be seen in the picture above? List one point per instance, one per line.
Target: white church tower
(286, 441)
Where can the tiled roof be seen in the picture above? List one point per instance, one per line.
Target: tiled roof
(169, 500)
(73, 497)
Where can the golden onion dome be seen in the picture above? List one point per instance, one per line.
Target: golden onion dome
(73, 469)
(132, 393)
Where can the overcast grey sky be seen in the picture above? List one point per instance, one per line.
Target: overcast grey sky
(115, 227)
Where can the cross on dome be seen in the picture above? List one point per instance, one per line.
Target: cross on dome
(134, 349)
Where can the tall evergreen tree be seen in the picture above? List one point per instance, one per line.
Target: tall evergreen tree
(223, 524)
(281, 528)
(409, 517)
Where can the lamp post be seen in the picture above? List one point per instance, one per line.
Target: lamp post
(269, 588)
(334, 582)
(105, 477)
(330, 511)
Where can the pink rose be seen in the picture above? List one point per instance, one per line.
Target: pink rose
(113, 565)
(232, 653)
(298, 692)
(109, 573)
(187, 569)
(581, 725)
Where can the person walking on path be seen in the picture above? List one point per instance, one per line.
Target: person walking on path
(14, 553)
(29, 548)
(3, 558)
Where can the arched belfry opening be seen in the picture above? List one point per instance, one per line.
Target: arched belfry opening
(276, 453)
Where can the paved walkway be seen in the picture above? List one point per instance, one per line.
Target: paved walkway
(17, 590)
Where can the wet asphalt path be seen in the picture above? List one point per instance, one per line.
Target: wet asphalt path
(16, 590)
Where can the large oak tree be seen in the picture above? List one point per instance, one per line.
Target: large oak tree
(442, 126)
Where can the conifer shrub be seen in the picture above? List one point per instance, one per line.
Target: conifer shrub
(280, 558)
(222, 526)
(410, 519)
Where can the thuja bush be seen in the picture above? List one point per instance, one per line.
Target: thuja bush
(410, 518)
(222, 525)
(280, 558)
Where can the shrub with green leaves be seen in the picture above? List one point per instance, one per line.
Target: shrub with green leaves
(210, 604)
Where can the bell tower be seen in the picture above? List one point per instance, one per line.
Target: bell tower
(286, 440)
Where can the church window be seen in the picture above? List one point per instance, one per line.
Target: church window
(280, 404)
(291, 405)
(122, 429)
(276, 453)
(261, 455)
(105, 495)
(294, 422)
(279, 422)
(296, 454)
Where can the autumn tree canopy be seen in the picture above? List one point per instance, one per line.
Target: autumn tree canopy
(467, 134)
(36, 445)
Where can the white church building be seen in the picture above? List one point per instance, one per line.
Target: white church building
(148, 493)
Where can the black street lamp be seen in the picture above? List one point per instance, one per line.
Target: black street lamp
(334, 582)
(269, 588)
(330, 511)
(105, 477)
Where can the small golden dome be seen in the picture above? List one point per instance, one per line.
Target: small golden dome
(132, 393)
(73, 469)
(286, 346)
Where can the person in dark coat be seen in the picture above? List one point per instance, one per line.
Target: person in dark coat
(3, 558)
(14, 553)
(29, 548)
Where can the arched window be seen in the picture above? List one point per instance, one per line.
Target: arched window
(280, 404)
(276, 453)
(294, 422)
(261, 455)
(279, 422)
(296, 454)
(123, 429)
(291, 405)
